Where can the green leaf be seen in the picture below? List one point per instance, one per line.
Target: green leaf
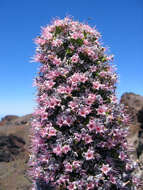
(68, 51)
(85, 34)
(58, 30)
(103, 59)
(79, 41)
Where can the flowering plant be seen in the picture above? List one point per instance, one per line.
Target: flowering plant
(78, 140)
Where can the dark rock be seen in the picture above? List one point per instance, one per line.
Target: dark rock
(14, 154)
(134, 105)
(140, 116)
(10, 146)
(5, 156)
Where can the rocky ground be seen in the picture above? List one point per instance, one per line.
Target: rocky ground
(15, 139)
(14, 142)
(135, 138)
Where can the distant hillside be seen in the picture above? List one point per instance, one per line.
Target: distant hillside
(14, 141)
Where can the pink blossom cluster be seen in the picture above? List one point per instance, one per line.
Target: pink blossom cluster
(77, 78)
(64, 120)
(78, 139)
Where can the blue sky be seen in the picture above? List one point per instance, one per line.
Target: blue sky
(120, 22)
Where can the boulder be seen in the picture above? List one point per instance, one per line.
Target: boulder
(134, 105)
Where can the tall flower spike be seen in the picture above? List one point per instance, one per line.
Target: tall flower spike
(78, 139)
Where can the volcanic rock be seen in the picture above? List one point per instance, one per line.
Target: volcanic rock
(134, 105)
(14, 153)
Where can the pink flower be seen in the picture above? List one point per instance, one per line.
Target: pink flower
(58, 22)
(44, 132)
(102, 110)
(57, 43)
(85, 42)
(40, 111)
(105, 87)
(44, 68)
(112, 179)
(36, 124)
(76, 35)
(68, 120)
(74, 78)
(61, 89)
(111, 143)
(64, 89)
(110, 57)
(53, 102)
(93, 68)
(91, 125)
(99, 128)
(63, 179)
(68, 89)
(90, 53)
(89, 29)
(102, 73)
(137, 181)
(68, 167)
(73, 105)
(44, 116)
(105, 169)
(90, 186)
(49, 125)
(95, 57)
(57, 150)
(89, 155)
(96, 85)
(91, 99)
(38, 57)
(129, 166)
(60, 121)
(87, 50)
(52, 132)
(66, 148)
(51, 56)
(63, 71)
(57, 61)
(87, 139)
(46, 34)
(71, 47)
(122, 155)
(40, 41)
(71, 186)
(84, 111)
(76, 164)
(83, 78)
(52, 74)
(75, 58)
(49, 84)
(114, 78)
(113, 99)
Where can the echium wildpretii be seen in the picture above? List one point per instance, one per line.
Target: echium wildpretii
(78, 140)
